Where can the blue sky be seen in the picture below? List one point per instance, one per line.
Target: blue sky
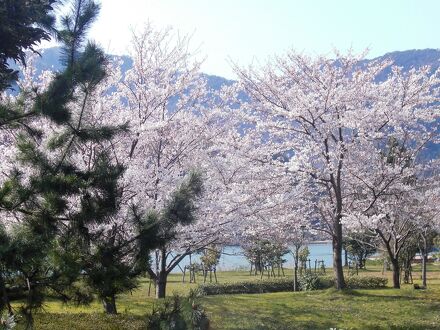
(250, 30)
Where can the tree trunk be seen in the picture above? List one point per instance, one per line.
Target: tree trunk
(29, 319)
(161, 275)
(424, 260)
(5, 297)
(346, 258)
(364, 262)
(396, 273)
(27, 309)
(337, 256)
(161, 284)
(258, 266)
(407, 270)
(337, 232)
(109, 304)
(295, 270)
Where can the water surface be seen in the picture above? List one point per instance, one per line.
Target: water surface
(233, 258)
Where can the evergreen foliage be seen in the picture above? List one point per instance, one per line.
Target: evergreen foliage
(24, 23)
(61, 244)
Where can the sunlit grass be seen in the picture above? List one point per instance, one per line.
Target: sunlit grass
(355, 309)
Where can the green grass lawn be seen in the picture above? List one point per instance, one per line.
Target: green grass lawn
(356, 309)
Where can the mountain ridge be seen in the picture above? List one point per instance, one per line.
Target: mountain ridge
(413, 58)
(407, 59)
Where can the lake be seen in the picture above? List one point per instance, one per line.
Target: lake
(233, 258)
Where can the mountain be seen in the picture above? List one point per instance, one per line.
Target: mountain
(408, 59)
(415, 58)
(51, 60)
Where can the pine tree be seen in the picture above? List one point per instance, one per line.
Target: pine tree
(180, 210)
(23, 24)
(53, 196)
(70, 239)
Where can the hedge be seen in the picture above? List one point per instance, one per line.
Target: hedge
(259, 286)
(306, 283)
(365, 282)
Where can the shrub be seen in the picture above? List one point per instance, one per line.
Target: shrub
(365, 282)
(355, 282)
(309, 282)
(177, 313)
(167, 315)
(260, 286)
(7, 322)
(326, 282)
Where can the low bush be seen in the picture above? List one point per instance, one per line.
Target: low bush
(310, 281)
(354, 282)
(365, 282)
(326, 282)
(7, 322)
(307, 282)
(259, 286)
(178, 313)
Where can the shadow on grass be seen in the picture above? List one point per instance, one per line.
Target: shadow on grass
(367, 270)
(86, 321)
(385, 296)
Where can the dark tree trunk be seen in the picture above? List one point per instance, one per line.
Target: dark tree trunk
(345, 258)
(407, 270)
(337, 229)
(363, 262)
(396, 273)
(258, 266)
(162, 274)
(337, 256)
(29, 319)
(5, 298)
(161, 285)
(109, 304)
(424, 260)
(393, 254)
(161, 279)
(295, 270)
(27, 310)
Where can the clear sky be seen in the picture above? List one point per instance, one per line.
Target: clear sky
(249, 30)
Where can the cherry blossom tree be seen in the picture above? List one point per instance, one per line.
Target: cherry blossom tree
(408, 211)
(329, 115)
(391, 173)
(427, 221)
(269, 205)
(172, 128)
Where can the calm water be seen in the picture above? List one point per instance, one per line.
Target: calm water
(232, 257)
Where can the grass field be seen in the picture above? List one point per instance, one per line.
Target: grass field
(325, 309)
